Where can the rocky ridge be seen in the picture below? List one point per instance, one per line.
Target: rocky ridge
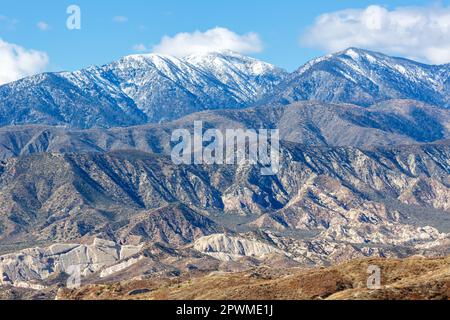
(326, 205)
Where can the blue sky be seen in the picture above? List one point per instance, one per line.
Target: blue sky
(278, 24)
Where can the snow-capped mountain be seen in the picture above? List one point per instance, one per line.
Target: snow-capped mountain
(138, 89)
(80, 99)
(151, 88)
(364, 77)
(167, 88)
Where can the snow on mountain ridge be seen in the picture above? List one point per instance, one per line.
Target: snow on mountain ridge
(152, 88)
(365, 77)
(212, 80)
(413, 70)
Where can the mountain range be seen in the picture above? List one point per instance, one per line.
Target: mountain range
(389, 123)
(156, 88)
(138, 89)
(364, 78)
(86, 176)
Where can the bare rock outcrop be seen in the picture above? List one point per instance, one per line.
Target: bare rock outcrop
(35, 265)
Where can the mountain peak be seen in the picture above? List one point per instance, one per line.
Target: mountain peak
(205, 54)
(226, 61)
(365, 77)
(222, 52)
(214, 60)
(355, 53)
(149, 57)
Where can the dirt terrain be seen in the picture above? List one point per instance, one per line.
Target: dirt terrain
(414, 278)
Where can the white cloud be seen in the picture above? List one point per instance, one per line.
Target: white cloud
(42, 25)
(421, 33)
(215, 39)
(17, 62)
(120, 19)
(140, 47)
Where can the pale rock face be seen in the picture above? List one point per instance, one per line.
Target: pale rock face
(39, 264)
(227, 248)
(316, 252)
(321, 251)
(119, 267)
(383, 233)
